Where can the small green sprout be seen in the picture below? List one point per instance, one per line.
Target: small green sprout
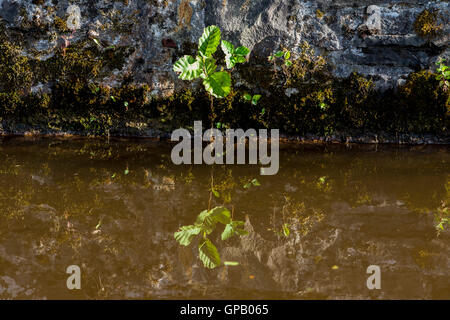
(443, 74)
(253, 99)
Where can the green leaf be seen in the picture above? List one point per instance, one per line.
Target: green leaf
(201, 218)
(126, 171)
(287, 55)
(208, 42)
(240, 59)
(216, 193)
(270, 58)
(288, 63)
(263, 111)
(218, 84)
(186, 234)
(234, 227)
(207, 65)
(231, 263)
(241, 232)
(279, 54)
(187, 67)
(208, 254)
(227, 47)
(242, 51)
(286, 230)
(247, 97)
(255, 182)
(238, 228)
(208, 219)
(221, 214)
(207, 223)
(255, 99)
(97, 42)
(228, 232)
(230, 61)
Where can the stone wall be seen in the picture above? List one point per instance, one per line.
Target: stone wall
(375, 38)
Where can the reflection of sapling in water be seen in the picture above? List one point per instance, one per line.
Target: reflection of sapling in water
(205, 224)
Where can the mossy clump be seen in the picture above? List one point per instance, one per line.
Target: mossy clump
(78, 63)
(422, 106)
(426, 24)
(76, 101)
(354, 105)
(15, 76)
(15, 70)
(319, 14)
(351, 105)
(60, 24)
(308, 65)
(114, 57)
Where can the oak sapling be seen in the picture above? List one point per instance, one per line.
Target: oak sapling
(204, 66)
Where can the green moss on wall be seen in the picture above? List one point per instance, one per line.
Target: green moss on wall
(15, 76)
(60, 24)
(426, 24)
(318, 103)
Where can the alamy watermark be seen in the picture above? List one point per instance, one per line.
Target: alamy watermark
(374, 281)
(235, 139)
(74, 280)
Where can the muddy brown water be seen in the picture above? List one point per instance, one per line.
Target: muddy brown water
(111, 207)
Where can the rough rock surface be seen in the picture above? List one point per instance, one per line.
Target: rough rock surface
(374, 37)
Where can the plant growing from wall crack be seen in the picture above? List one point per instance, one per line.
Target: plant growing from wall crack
(204, 66)
(285, 57)
(253, 99)
(443, 75)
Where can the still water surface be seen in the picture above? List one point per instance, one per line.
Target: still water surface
(112, 206)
